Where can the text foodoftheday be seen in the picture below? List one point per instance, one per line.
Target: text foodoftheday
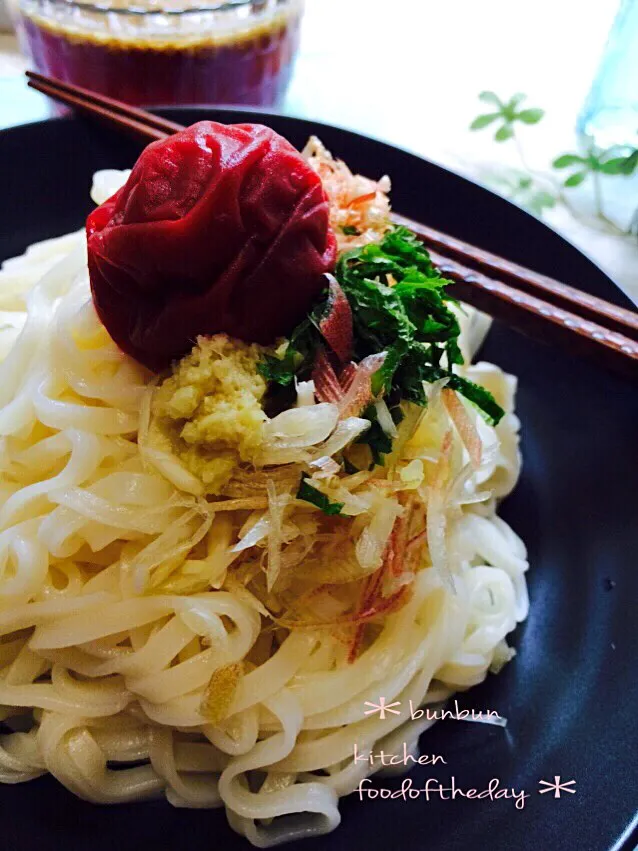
(434, 788)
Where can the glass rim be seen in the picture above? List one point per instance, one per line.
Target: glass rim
(222, 6)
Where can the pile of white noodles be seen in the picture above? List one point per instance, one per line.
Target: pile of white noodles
(99, 667)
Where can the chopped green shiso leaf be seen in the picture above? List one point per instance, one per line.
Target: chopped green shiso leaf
(310, 494)
(400, 306)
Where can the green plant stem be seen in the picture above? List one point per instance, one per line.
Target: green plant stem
(556, 188)
(598, 204)
(598, 195)
(564, 200)
(546, 179)
(561, 196)
(521, 153)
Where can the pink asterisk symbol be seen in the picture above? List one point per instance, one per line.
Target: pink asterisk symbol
(557, 787)
(381, 707)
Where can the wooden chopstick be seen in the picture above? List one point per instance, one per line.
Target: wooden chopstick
(101, 113)
(569, 317)
(539, 319)
(589, 306)
(137, 120)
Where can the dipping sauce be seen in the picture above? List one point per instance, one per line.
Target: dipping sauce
(164, 53)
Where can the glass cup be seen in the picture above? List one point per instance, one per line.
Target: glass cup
(610, 113)
(166, 51)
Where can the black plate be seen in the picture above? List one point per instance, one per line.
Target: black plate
(571, 694)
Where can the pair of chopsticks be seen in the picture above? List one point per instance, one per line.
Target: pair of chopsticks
(534, 304)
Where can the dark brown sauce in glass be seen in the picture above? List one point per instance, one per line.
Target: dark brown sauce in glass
(250, 65)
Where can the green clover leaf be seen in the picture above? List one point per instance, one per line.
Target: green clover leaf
(566, 160)
(504, 133)
(482, 121)
(530, 116)
(508, 113)
(576, 179)
(491, 98)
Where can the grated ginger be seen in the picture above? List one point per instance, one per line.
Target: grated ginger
(220, 692)
(208, 412)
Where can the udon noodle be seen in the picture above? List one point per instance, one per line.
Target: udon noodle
(126, 683)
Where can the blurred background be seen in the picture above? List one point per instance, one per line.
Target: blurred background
(537, 100)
